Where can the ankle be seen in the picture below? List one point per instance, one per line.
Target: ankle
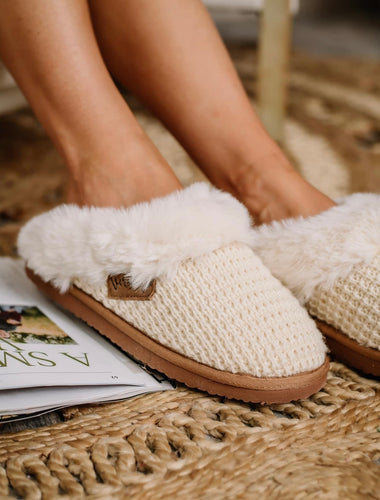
(272, 189)
(252, 183)
(123, 177)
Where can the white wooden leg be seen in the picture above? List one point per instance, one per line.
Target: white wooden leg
(274, 46)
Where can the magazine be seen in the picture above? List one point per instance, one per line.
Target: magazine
(50, 359)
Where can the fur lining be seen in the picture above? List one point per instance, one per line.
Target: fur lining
(305, 253)
(145, 241)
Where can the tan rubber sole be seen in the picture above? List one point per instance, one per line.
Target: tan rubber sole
(180, 368)
(350, 352)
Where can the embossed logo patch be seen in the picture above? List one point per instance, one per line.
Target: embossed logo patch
(120, 288)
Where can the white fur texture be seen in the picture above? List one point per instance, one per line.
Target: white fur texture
(305, 253)
(146, 241)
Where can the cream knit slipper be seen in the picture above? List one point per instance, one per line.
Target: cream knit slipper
(331, 262)
(175, 284)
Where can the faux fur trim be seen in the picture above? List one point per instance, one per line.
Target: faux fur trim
(145, 241)
(305, 253)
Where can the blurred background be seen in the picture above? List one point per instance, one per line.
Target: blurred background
(324, 27)
(321, 102)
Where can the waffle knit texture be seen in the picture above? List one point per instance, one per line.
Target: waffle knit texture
(215, 302)
(352, 305)
(227, 311)
(331, 262)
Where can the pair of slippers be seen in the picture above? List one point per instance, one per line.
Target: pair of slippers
(185, 285)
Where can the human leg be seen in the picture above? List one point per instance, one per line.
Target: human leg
(51, 50)
(171, 56)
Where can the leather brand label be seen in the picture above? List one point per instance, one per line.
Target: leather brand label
(120, 288)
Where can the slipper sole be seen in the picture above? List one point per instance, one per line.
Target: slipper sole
(349, 351)
(178, 367)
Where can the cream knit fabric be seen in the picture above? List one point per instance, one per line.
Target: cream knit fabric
(352, 305)
(331, 263)
(225, 310)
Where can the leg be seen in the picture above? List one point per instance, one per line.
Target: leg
(170, 55)
(56, 61)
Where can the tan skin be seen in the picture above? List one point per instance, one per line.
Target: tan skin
(170, 55)
(10, 321)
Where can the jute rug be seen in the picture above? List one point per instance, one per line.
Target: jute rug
(183, 443)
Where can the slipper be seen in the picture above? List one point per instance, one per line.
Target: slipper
(175, 284)
(331, 262)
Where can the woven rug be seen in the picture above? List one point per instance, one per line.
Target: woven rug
(183, 443)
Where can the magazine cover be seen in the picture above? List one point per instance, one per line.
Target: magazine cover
(58, 358)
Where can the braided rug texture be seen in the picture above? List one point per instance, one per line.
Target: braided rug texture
(185, 443)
